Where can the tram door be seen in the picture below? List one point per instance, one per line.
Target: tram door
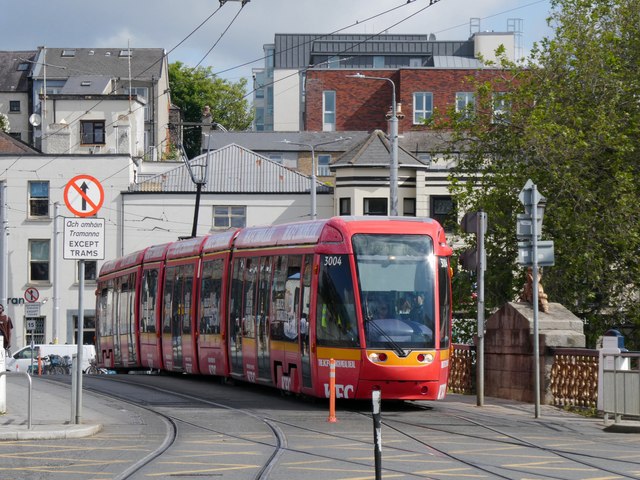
(177, 338)
(304, 321)
(262, 319)
(234, 326)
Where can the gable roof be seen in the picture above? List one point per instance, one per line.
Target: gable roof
(12, 79)
(72, 62)
(11, 145)
(375, 151)
(273, 141)
(232, 169)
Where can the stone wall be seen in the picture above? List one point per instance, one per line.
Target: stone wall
(509, 364)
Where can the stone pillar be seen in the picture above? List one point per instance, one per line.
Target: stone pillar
(509, 363)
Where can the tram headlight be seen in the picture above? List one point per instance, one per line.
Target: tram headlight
(425, 358)
(378, 357)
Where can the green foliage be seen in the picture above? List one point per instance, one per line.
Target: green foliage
(573, 127)
(193, 89)
(4, 123)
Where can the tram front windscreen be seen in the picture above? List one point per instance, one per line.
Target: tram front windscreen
(396, 280)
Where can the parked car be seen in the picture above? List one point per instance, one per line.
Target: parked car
(21, 360)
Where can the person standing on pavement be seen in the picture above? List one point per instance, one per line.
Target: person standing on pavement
(5, 327)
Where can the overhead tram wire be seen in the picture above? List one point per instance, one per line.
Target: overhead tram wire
(139, 74)
(370, 37)
(219, 38)
(432, 2)
(226, 29)
(357, 22)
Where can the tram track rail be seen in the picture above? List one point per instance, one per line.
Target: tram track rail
(429, 436)
(508, 439)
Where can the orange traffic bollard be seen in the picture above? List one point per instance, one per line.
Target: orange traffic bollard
(332, 391)
(39, 365)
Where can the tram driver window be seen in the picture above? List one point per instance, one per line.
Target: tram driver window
(335, 316)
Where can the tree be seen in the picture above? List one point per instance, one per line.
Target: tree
(193, 89)
(573, 127)
(4, 123)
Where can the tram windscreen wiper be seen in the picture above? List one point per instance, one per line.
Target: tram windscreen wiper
(394, 345)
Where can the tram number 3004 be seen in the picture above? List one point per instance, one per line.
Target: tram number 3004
(342, 391)
(332, 260)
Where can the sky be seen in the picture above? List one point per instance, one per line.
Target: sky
(230, 38)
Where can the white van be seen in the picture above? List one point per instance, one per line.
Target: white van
(20, 361)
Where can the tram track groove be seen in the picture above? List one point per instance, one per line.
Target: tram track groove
(514, 441)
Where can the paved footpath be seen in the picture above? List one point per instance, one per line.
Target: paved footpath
(51, 415)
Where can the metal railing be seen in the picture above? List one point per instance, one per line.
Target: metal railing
(621, 385)
(574, 377)
(29, 409)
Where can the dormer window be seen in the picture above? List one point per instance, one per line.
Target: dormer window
(68, 53)
(23, 66)
(126, 53)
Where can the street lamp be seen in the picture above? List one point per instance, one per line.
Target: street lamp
(199, 179)
(313, 187)
(393, 133)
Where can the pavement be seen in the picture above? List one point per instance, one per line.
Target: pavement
(52, 416)
(51, 413)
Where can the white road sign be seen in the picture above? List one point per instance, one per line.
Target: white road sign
(83, 238)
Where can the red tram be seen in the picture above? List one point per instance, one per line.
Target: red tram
(272, 305)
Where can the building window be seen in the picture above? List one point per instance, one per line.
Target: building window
(23, 66)
(378, 61)
(36, 336)
(17, 135)
(422, 106)
(443, 209)
(415, 62)
(324, 161)
(92, 132)
(229, 217)
(501, 108)
(259, 120)
(90, 271)
(68, 53)
(409, 207)
(38, 199)
(141, 92)
(375, 206)
(345, 206)
(465, 103)
(328, 111)
(279, 159)
(14, 106)
(39, 260)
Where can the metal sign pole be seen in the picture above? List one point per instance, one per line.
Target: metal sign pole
(80, 343)
(482, 222)
(536, 341)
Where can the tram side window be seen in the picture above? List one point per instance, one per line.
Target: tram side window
(167, 309)
(187, 291)
(444, 299)
(148, 301)
(126, 294)
(286, 298)
(109, 317)
(103, 320)
(235, 306)
(249, 295)
(210, 297)
(335, 315)
(262, 312)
